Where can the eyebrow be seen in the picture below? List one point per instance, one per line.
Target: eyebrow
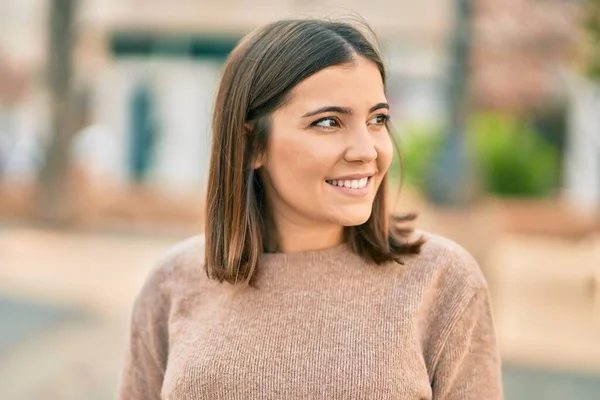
(343, 110)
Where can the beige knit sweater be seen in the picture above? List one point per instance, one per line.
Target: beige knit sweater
(323, 325)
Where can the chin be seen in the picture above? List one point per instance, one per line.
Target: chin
(354, 218)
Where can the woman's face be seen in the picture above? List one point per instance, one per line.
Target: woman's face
(329, 147)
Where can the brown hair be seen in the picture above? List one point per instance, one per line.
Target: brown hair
(258, 75)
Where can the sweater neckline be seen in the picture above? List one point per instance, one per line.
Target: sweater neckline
(317, 255)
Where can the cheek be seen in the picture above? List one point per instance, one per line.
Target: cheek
(289, 157)
(385, 152)
(296, 166)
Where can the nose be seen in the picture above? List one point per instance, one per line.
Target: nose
(361, 147)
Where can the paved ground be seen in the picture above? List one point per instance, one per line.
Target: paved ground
(534, 384)
(71, 361)
(64, 305)
(23, 318)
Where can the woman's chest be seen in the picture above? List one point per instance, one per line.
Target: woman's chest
(294, 348)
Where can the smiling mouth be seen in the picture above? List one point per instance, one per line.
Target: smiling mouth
(350, 183)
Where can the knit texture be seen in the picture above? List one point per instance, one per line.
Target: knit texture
(322, 324)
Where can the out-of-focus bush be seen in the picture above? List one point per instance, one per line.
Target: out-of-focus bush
(592, 25)
(419, 146)
(511, 157)
(515, 159)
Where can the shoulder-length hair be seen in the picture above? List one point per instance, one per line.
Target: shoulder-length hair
(257, 78)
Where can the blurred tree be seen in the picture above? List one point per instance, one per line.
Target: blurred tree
(593, 29)
(143, 133)
(52, 194)
(450, 180)
(513, 158)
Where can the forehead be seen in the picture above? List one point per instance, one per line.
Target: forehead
(357, 85)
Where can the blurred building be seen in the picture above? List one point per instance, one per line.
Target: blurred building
(521, 48)
(147, 72)
(526, 61)
(150, 71)
(22, 111)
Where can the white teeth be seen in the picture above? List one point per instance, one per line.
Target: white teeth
(350, 184)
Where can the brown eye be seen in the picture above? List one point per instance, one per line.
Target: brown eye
(326, 123)
(379, 119)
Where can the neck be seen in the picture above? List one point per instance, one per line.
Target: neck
(292, 238)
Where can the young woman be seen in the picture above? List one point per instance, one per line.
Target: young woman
(302, 286)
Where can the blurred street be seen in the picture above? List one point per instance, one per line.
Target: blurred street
(64, 315)
(64, 310)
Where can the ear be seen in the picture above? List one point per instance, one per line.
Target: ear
(248, 128)
(259, 161)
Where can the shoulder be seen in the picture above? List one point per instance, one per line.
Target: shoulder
(183, 256)
(445, 280)
(177, 264)
(178, 259)
(448, 264)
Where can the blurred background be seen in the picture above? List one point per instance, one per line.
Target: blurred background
(104, 142)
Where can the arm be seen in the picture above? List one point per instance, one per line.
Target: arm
(147, 347)
(468, 366)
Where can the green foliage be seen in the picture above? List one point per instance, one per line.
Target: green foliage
(419, 146)
(592, 25)
(513, 160)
